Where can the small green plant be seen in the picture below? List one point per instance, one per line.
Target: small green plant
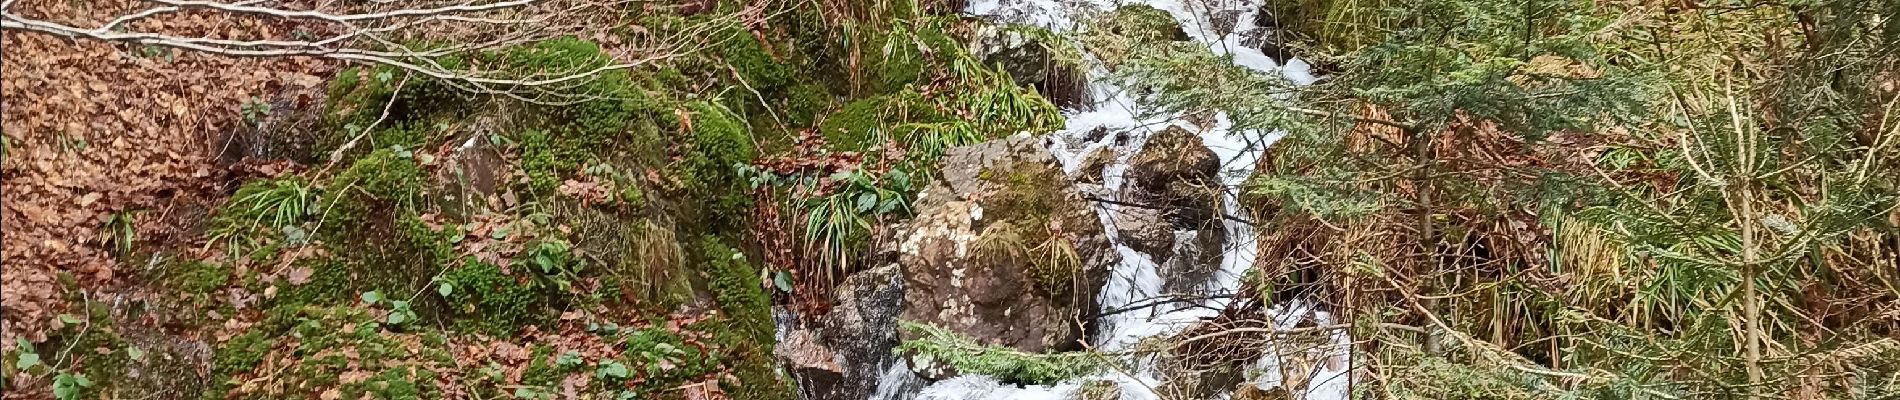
(69, 386)
(28, 356)
(282, 203)
(120, 231)
(554, 259)
(158, 52)
(66, 385)
(254, 110)
(400, 312)
(836, 222)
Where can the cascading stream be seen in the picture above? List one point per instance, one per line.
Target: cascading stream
(1138, 277)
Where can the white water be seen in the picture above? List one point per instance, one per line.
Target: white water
(1138, 278)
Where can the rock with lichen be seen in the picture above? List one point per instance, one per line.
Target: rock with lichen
(1003, 237)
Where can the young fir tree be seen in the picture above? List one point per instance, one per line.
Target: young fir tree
(1579, 198)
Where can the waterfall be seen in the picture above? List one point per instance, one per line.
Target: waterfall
(1138, 277)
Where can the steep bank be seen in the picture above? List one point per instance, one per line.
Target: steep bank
(408, 238)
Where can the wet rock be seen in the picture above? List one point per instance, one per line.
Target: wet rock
(1270, 41)
(1145, 230)
(475, 170)
(814, 366)
(840, 355)
(1196, 258)
(1141, 21)
(1033, 57)
(1092, 166)
(1224, 21)
(1172, 184)
(971, 257)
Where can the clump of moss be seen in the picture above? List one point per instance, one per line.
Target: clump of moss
(938, 345)
(803, 103)
(488, 301)
(358, 98)
(866, 123)
(744, 337)
(329, 341)
(719, 145)
(1143, 22)
(97, 351)
(376, 238)
(647, 350)
(199, 277)
(753, 60)
(1121, 34)
(906, 53)
(383, 177)
(736, 287)
(1025, 208)
(564, 137)
(242, 353)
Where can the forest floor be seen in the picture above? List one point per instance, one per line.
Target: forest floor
(111, 147)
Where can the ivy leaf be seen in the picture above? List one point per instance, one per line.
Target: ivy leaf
(615, 369)
(135, 353)
(67, 386)
(27, 361)
(397, 318)
(371, 297)
(900, 180)
(444, 289)
(866, 201)
(569, 359)
(784, 281)
(384, 76)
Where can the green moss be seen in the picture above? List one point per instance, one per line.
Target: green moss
(329, 341)
(488, 301)
(541, 370)
(359, 97)
(743, 337)
(199, 277)
(1009, 365)
(719, 144)
(1022, 229)
(560, 138)
(804, 102)
(383, 176)
(391, 251)
(97, 351)
(754, 62)
(393, 384)
(646, 350)
(905, 55)
(242, 353)
(866, 123)
(1144, 22)
(735, 284)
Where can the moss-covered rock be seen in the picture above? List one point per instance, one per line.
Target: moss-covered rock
(1144, 22)
(866, 123)
(745, 334)
(486, 300)
(1036, 255)
(720, 143)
